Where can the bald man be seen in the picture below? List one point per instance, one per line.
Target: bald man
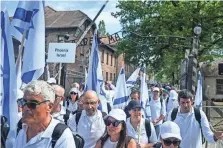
(89, 123)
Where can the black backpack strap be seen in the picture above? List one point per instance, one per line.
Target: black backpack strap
(66, 116)
(197, 114)
(57, 132)
(108, 107)
(174, 114)
(148, 129)
(67, 101)
(77, 117)
(167, 100)
(103, 114)
(19, 126)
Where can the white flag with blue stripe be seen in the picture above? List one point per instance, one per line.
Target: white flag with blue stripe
(29, 16)
(8, 73)
(132, 80)
(144, 89)
(94, 76)
(199, 94)
(121, 94)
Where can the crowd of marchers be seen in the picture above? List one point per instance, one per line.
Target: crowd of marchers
(48, 119)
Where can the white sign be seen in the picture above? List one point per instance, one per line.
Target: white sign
(61, 52)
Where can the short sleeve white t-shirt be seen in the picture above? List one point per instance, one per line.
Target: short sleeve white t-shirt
(109, 144)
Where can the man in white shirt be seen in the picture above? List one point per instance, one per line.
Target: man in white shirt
(59, 111)
(190, 128)
(157, 109)
(142, 130)
(90, 124)
(38, 124)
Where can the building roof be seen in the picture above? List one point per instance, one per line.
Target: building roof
(64, 19)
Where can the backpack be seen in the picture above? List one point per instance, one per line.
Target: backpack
(78, 115)
(148, 128)
(197, 114)
(67, 115)
(58, 131)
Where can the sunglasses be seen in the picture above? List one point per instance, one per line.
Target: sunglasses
(168, 142)
(73, 93)
(30, 104)
(114, 123)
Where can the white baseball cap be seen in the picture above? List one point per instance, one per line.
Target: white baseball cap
(51, 80)
(74, 90)
(118, 114)
(156, 89)
(170, 129)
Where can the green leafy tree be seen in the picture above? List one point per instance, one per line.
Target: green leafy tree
(101, 28)
(168, 18)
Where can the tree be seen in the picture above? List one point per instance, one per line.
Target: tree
(178, 18)
(101, 28)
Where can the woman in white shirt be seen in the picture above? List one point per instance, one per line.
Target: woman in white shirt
(115, 136)
(71, 102)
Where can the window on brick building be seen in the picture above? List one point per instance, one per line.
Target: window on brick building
(219, 86)
(114, 77)
(111, 59)
(102, 56)
(106, 76)
(107, 58)
(114, 61)
(110, 76)
(81, 69)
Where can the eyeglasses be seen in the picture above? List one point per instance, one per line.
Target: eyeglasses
(57, 96)
(114, 123)
(90, 103)
(168, 142)
(73, 93)
(30, 104)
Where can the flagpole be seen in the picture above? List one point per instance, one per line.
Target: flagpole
(59, 75)
(20, 49)
(93, 21)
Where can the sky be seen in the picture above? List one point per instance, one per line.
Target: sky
(90, 8)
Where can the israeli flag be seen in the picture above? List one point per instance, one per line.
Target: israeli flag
(8, 73)
(199, 94)
(144, 97)
(144, 89)
(132, 80)
(121, 94)
(29, 16)
(95, 78)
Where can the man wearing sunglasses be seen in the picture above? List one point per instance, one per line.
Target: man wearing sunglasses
(89, 124)
(38, 124)
(169, 135)
(193, 122)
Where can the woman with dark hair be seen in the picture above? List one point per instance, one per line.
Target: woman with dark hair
(115, 136)
(71, 102)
